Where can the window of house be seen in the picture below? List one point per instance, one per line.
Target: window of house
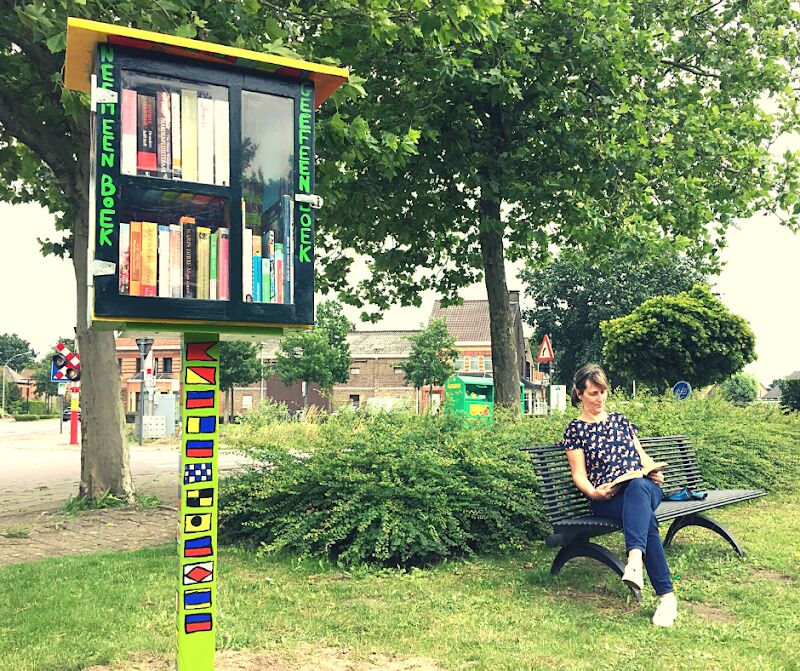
(355, 371)
(460, 363)
(138, 364)
(167, 363)
(119, 365)
(487, 364)
(398, 370)
(355, 400)
(155, 366)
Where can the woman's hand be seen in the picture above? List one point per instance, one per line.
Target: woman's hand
(603, 493)
(657, 477)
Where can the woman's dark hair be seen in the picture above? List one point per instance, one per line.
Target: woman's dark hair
(591, 372)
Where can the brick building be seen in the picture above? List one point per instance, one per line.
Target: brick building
(164, 360)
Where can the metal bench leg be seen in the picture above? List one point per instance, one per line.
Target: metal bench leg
(698, 520)
(593, 551)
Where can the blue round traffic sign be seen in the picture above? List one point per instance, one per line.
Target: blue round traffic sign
(682, 390)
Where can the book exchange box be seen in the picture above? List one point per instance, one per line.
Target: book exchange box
(202, 182)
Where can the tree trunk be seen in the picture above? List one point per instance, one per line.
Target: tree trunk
(504, 354)
(105, 462)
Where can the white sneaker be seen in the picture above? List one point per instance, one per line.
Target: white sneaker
(666, 613)
(632, 576)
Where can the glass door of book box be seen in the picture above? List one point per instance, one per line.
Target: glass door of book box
(207, 214)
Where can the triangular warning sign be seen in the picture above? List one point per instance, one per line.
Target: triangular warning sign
(545, 350)
(201, 375)
(199, 351)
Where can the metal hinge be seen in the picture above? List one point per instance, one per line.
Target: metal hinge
(312, 199)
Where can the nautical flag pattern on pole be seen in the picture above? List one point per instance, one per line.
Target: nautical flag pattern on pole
(198, 500)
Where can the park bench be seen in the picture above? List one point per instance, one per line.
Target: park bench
(568, 511)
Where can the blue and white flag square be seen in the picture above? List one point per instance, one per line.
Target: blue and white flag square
(196, 473)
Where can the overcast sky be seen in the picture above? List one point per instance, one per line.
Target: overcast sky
(759, 282)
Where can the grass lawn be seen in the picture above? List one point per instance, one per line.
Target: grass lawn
(490, 614)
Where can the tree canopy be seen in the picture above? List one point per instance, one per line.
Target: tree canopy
(11, 345)
(741, 388)
(321, 356)
(691, 336)
(432, 357)
(574, 293)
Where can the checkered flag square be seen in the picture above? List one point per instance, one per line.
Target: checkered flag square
(196, 473)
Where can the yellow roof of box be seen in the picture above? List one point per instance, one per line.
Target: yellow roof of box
(83, 35)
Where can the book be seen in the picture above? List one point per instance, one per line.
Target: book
(124, 258)
(222, 167)
(146, 135)
(189, 257)
(205, 140)
(189, 135)
(212, 268)
(164, 134)
(223, 251)
(149, 258)
(639, 473)
(266, 280)
(203, 261)
(135, 254)
(128, 141)
(164, 288)
(175, 98)
(278, 272)
(256, 261)
(175, 261)
(247, 266)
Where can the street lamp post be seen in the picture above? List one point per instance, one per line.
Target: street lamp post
(5, 365)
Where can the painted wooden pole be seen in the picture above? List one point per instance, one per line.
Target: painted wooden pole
(197, 531)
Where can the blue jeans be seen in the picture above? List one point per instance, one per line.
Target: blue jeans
(635, 508)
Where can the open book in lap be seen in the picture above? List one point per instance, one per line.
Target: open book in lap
(640, 473)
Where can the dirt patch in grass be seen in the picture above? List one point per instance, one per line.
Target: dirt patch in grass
(715, 615)
(602, 598)
(772, 576)
(327, 659)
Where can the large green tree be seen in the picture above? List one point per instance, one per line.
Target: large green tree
(432, 358)
(494, 130)
(320, 356)
(691, 336)
(574, 292)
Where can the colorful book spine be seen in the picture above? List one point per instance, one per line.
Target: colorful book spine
(223, 256)
(149, 258)
(222, 167)
(164, 288)
(203, 261)
(205, 140)
(128, 142)
(189, 257)
(189, 134)
(124, 258)
(247, 265)
(146, 163)
(278, 272)
(175, 102)
(175, 261)
(266, 280)
(164, 139)
(212, 268)
(288, 238)
(270, 297)
(136, 258)
(256, 261)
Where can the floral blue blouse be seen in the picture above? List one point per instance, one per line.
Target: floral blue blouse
(607, 446)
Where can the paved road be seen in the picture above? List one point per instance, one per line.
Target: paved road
(39, 469)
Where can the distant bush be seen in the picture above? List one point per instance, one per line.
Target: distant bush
(741, 388)
(401, 489)
(790, 394)
(387, 488)
(28, 418)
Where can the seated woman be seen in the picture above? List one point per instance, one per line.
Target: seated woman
(600, 447)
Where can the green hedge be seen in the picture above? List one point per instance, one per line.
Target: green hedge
(399, 489)
(31, 418)
(392, 489)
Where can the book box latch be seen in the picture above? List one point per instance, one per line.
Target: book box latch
(101, 95)
(101, 267)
